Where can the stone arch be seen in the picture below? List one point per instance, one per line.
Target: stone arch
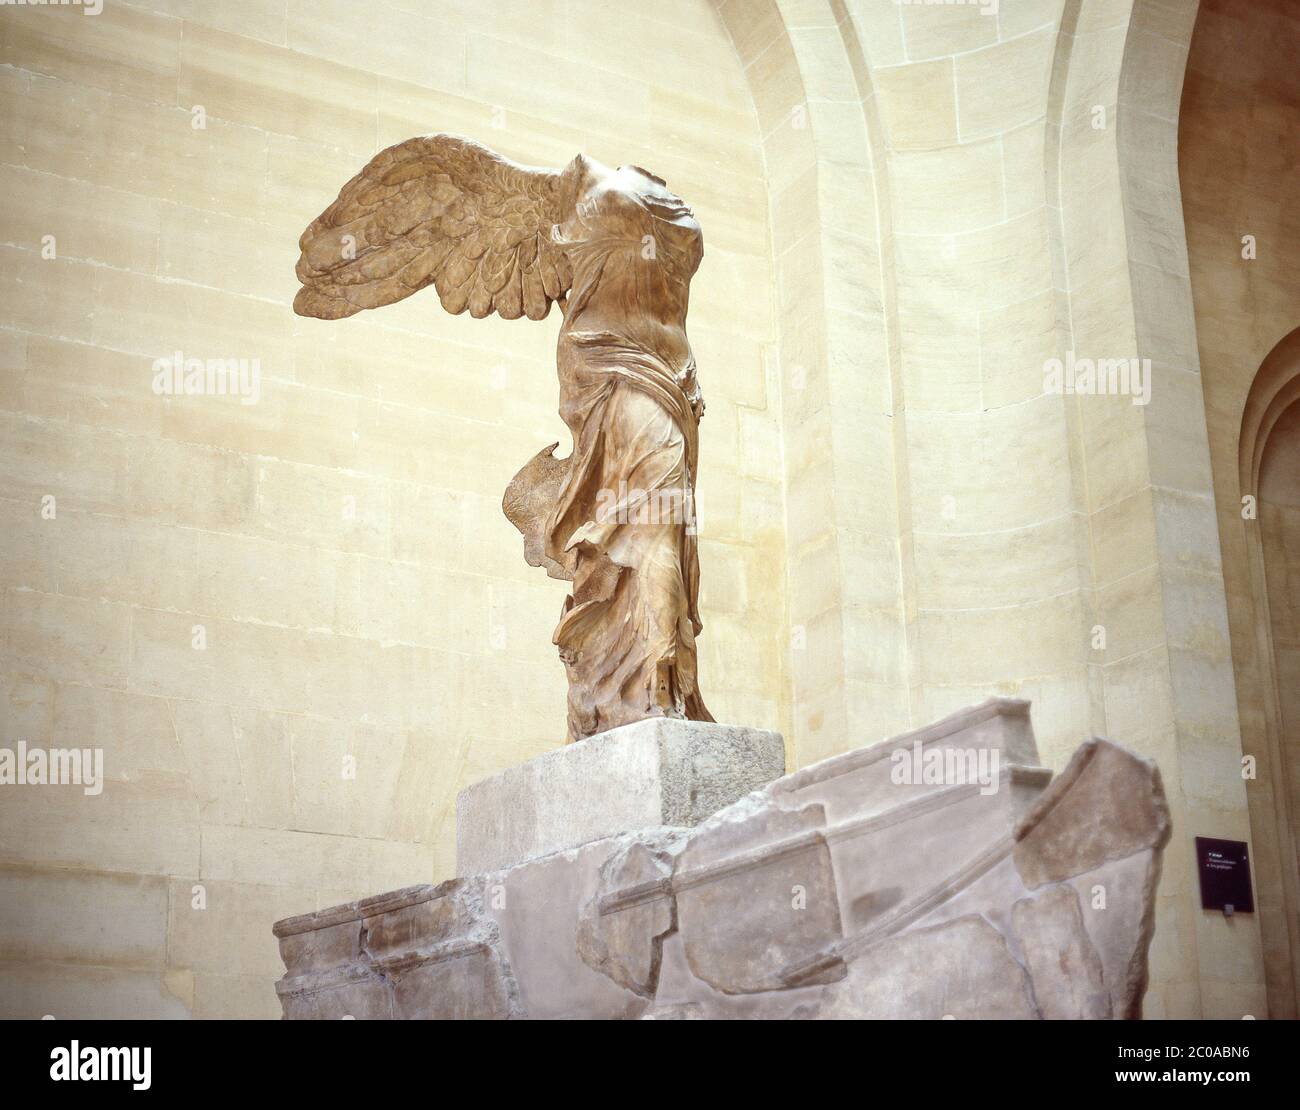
(1177, 698)
(1276, 387)
(865, 461)
(829, 227)
(1271, 404)
(1233, 119)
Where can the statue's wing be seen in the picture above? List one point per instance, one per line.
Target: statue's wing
(444, 211)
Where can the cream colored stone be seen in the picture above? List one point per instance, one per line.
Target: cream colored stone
(84, 640)
(87, 385)
(963, 476)
(1095, 59)
(1023, 563)
(21, 274)
(1156, 86)
(261, 19)
(823, 63)
(753, 26)
(137, 733)
(892, 368)
(1123, 537)
(933, 32)
(983, 269)
(942, 192)
(76, 991)
(149, 827)
(245, 81)
(88, 223)
(978, 646)
(780, 98)
(27, 705)
(121, 49)
(424, 46)
(290, 858)
(1016, 341)
(25, 549)
(1003, 86)
(108, 920)
(918, 104)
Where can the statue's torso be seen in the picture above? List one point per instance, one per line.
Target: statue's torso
(633, 248)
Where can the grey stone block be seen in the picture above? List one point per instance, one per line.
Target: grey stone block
(961, 969)
(844, 890)
(1065, 967)
(652, 773)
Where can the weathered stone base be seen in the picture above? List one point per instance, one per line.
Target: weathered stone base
(654, 772)
(833, 892)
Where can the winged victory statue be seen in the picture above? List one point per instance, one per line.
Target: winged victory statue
(616, 250)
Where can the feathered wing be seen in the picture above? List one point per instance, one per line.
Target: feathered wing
(444, 211)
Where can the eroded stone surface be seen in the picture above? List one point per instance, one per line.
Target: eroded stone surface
(961, 969)
(652, 773)
(1107, 804)
(353, 991)
(537, 907)
(621, 930)
(756, 894)
(1063, 965)
(468, 982)
(1118, 902)
(420, 952)
(834, 892)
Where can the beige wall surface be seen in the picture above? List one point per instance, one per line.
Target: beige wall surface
(340, 542)
(1240, 170)
(1279, 528)
(909, 210)
(959, 197)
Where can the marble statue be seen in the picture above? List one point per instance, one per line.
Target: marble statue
(616, 249)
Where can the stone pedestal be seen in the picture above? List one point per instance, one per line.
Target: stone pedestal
(652, 773)
(940, 873)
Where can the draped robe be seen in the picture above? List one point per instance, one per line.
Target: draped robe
(622, 520)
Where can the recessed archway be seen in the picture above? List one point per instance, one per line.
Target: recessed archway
(1269, 470)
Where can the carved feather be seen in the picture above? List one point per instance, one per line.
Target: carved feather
(437, 210)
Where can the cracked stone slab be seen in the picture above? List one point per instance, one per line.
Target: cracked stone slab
(961, 969)
(828, 893)
(1064, 967)
(467, 982)
(420, 952)
(1119, 911)
(756, 892)
(1107, 804)
(350, 991)
(657, 772)
(540, 906)
(622, 927)
(860, 783)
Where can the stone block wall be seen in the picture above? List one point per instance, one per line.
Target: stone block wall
(372, 639)
(908, 210)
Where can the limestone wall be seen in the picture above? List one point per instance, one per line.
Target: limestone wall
(339, 545)
(908, 210)
(959, 197)
(1238, 169)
